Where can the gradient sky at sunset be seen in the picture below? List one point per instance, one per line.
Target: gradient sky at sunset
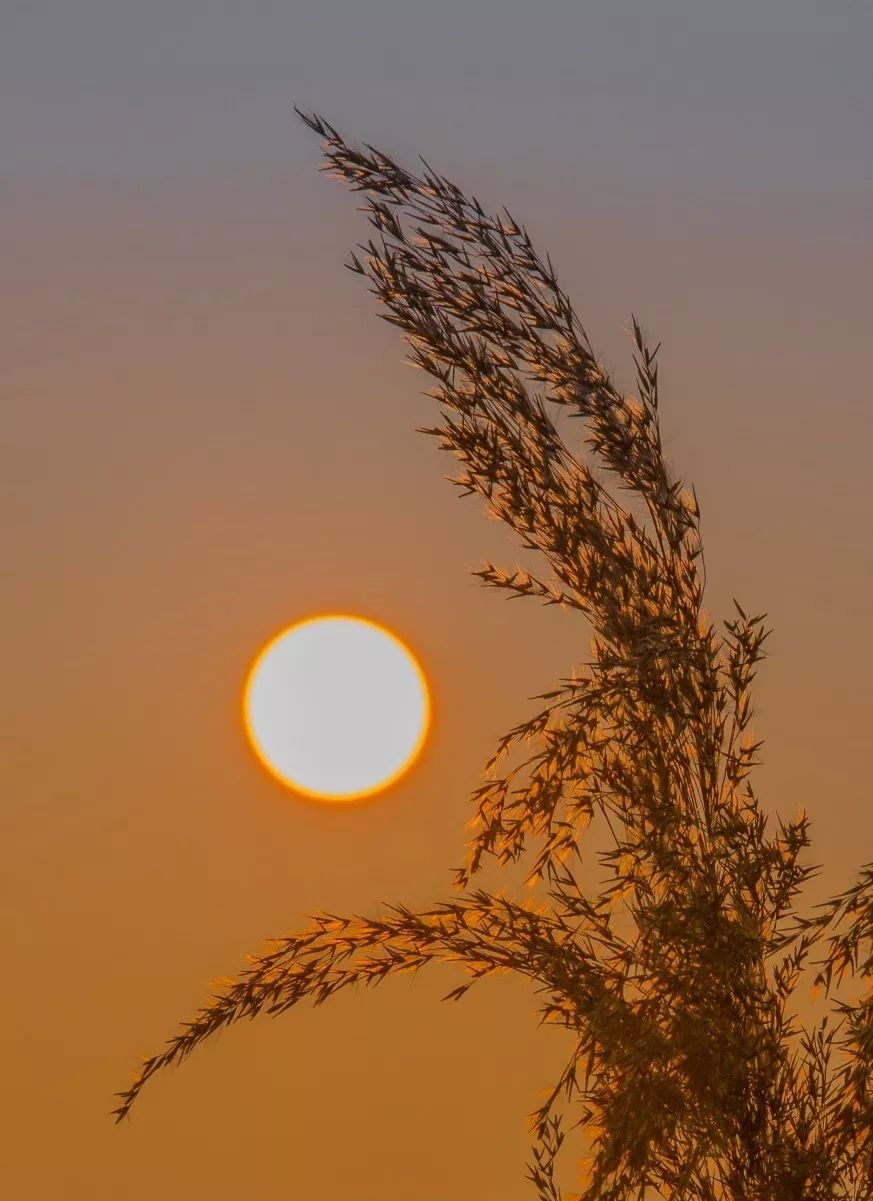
(208, 434)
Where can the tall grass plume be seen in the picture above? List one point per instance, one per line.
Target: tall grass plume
(685, 1072)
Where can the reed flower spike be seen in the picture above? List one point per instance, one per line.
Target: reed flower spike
(685, 1071)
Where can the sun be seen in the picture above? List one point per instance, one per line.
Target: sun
(336, 707)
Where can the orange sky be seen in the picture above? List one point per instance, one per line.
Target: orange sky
(211, 435)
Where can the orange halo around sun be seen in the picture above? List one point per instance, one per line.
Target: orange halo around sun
(256, 740)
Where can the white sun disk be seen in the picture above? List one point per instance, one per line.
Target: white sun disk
(336, 707)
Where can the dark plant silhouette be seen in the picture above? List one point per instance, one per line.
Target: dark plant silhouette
(683, 1073)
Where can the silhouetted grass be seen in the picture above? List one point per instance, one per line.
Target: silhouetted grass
(683, 1071)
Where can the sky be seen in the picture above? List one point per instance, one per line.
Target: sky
(209, 434)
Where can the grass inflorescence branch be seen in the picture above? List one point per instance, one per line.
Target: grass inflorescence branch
(686, 1074)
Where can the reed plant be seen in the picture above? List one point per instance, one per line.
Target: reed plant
(686, 1073)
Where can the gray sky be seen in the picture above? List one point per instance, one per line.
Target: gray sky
(96, 89)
